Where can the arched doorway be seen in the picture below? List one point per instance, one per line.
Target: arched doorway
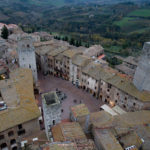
(4, 145)
(14, 148)
(13, 141)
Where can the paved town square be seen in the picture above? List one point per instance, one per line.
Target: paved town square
(51, 83)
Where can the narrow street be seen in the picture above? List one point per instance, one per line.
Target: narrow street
(51, 83)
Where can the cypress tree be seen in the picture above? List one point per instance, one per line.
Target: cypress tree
(4, 33)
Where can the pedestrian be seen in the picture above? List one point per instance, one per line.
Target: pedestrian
(74, 100)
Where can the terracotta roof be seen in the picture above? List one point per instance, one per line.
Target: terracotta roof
(107, 140)
(97, 72)
(80, 110)
(80, 60)
(69, 131)
(61, 146)
(59, 57)
(70, 53)
(17, 93)
(57, 51)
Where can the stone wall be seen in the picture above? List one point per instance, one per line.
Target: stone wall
(27, 55)
(109, 93)
(52, 116)
(11, 136)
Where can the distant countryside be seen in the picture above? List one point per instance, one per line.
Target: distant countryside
(121, 28)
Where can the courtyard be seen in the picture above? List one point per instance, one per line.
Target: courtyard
(74, 95)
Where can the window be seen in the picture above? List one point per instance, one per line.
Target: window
(21, 132)
(125, 98)
(28, 45)
(109, 86)
(134, 104)
(108, 90)
(124, 106)
(10, 133)
(53, 122)
(20, 126)
(117, 94)
(95, 87)
(116, 101)
(1, 137)
(108, 97)
(100, 96)
(13, 141)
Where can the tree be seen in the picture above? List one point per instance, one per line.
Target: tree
(4, 33)
(65, 38)
(72, 42)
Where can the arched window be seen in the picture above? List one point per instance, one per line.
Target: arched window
(14, 148)
(13, 141)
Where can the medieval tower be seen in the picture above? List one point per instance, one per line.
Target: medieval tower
(26, 54)
(142, 75)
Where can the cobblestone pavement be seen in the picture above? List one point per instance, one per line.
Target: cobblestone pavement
(50, 83)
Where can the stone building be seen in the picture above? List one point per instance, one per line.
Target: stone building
(78, 63)
(44, 36)
(46, 52)
(68, 131)
(71, 132)
(94, 51)
(105, 140)
(26, 54)
(141, 79)
(67, 61)
(51, 111)
(122, 131)
(52, 59)
(90, 78)
(18, 111)
(81, 114)
(128, 65)
(113, 88)
(59, 65)
(43, 61)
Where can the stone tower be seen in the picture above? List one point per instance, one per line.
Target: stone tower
(142, 75)
(51, 111)
(26, 54)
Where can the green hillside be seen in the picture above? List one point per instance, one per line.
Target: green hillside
(121, 28)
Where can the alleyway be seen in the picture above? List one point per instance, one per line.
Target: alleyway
(50, 83)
